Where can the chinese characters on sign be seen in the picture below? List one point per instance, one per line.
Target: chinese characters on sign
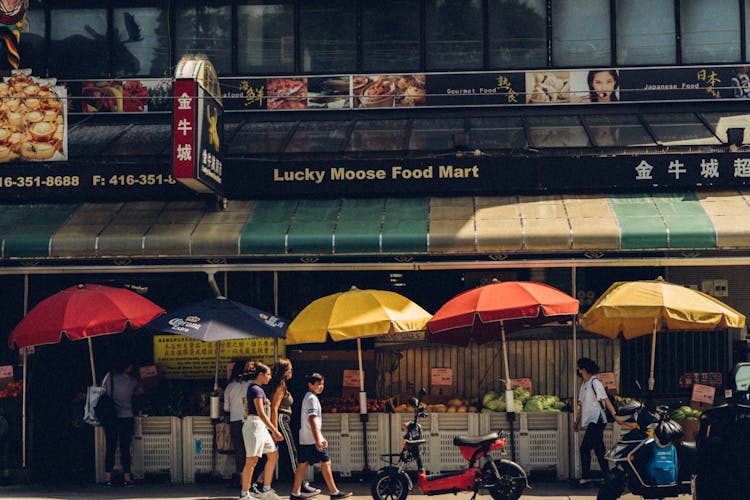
(184, 128)
(181, 357)
(706, 168)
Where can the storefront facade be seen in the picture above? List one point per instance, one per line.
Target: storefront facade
(466, 148)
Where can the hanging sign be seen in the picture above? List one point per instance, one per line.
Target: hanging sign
(441, 376)
(198, 126)
(608, 380)
(351, 378)
(703, 394)
(523, 382)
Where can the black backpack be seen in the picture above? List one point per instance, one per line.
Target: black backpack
(610, 418)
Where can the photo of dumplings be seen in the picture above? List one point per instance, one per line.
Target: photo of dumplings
(32, 119)
(547, 87)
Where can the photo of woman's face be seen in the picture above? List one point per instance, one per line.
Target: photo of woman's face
(603, 85)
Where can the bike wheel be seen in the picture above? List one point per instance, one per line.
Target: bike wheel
(613, 486)
(389, 486)
(508, 486)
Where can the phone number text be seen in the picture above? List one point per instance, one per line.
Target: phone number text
(65, 181)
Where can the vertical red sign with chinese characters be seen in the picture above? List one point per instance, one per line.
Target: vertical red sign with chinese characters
(183, 160)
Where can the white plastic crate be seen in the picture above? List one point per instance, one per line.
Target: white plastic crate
(541, 439)
(197, 447)
(444, 455)
(161, 442)
(345, 444)
(156, 448)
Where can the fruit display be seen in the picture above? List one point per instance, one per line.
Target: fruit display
(12, 390)
(685, 413)
(523, 400)
(350, 405)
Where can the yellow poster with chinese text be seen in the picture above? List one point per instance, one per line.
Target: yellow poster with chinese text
(180, 357)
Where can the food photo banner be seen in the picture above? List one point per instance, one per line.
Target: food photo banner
(409, 90)
(33, 119)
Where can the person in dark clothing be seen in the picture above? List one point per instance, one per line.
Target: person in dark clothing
(593, 402)
(122, 385)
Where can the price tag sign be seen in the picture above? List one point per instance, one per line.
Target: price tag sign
(703, 394)
(148, 371)
(351, 378)
(523, 382)
(441, 376)
(6, 371)
(608, 380)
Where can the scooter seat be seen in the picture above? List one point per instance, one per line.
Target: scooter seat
(474, 440)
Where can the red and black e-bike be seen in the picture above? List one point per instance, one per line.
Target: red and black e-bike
(503, 479)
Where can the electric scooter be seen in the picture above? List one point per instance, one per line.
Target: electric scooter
(503, 479)
(631, 460)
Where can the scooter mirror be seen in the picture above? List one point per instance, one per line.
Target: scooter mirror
(422, 392)
(413, 402)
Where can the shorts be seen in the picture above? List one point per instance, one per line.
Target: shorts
(257, 437)
(310, 454)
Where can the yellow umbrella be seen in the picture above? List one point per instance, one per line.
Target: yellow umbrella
(636, 308)
(355, 314)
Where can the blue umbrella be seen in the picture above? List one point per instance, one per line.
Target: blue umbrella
(217, 319)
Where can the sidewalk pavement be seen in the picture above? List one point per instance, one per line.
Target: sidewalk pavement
(555, 490)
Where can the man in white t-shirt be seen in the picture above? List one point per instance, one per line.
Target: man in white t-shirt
(313, 445)
(593, 400)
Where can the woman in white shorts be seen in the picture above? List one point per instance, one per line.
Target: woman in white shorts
(258, 432)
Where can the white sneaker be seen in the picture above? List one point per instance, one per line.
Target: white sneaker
(269, 495)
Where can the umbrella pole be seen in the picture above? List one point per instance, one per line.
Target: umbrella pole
(651, 381)
(510, 412)
(23, 410)
(25, 361)
(91, 360)
(216, 367)
(363, 417)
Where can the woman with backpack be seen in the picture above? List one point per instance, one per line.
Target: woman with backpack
(594, 405)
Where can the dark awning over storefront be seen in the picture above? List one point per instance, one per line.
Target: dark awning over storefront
(381, 228)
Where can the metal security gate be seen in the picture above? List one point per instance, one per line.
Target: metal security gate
(677, 353)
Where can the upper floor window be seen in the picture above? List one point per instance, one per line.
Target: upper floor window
(391, 35)
(710, 31)
(454, 38)
(265, 37)
(645, 32)
(86, 30)
(518, 33)
(581, 33)
(205, 29)
(328, 36)
(31, 47)
(141, 35)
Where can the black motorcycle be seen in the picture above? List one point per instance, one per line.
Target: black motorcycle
(723, 471)
(648, 460)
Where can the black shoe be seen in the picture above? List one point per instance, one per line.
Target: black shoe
(108, 484)
(341, 494)
(128, 484)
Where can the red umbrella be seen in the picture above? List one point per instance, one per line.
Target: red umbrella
(78, 312)
(486, 313)
(83, 311)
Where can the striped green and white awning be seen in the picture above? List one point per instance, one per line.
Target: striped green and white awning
(460, 226)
